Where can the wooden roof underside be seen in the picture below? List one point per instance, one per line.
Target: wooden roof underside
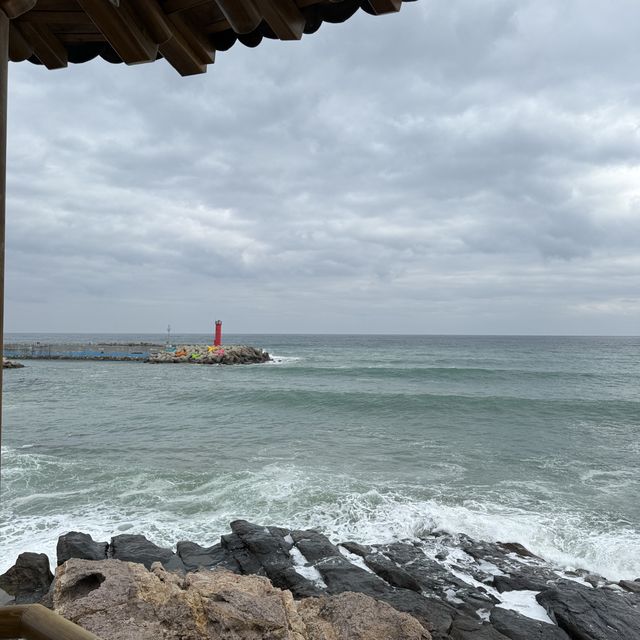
(185, 32)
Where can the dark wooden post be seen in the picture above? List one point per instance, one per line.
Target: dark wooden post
(4, 69)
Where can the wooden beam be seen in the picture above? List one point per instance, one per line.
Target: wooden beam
(59, 17)
(199, 43)
(242, 15)
(15, 8)
(217, 27)
(283, 17)
(385, 6)
(171, 6)
(154, 20)
(4, 70)
(19, 48)
(120, 28)
(180, 56)
(80, 38)
(47, 48)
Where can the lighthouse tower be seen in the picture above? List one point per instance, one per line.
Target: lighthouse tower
(218, 338)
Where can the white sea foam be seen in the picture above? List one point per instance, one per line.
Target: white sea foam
(167, 510)
(524, 602)
(451, 596)
(303, 567)
(484, 614)
(354, 559)
(490, 568)
(275, 359)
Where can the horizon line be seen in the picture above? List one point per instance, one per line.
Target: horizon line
(332, 333)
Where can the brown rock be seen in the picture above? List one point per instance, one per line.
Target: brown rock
(245, 607)
(121, 600)
(354, 616)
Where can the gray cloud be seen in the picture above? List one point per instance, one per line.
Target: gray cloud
(458, 167)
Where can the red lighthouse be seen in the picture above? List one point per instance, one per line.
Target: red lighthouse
(218, 339)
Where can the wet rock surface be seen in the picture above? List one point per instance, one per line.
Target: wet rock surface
(597, 614)
(455, 587)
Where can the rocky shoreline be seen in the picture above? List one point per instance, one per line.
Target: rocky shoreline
(276, 583)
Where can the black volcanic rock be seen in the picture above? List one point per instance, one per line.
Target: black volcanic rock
(195, 557)
(314, 546)
(518, 583)
(391, 573)
(269, 548)
(80, 545)
(518, 627)
(593, 614)
(246, 561)
(340, 575)
(361, 550)
(630, 585)
(136, 548)
(29, 579)
(469, 629)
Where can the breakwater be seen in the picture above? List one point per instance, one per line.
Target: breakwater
(138, 352)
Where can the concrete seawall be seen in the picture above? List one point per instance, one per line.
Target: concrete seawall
(137, 352)
(81, 351)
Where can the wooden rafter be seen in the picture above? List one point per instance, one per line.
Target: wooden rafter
(283, 17)
(242, 15)
(154, 19)
(15, 8)
(47, 48)
(121, 30)
(385, 6)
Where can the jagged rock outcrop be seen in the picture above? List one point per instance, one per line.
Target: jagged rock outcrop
(121, 600)
(203, 354)
(457, 588)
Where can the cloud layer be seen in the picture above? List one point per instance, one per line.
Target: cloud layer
(459, 167)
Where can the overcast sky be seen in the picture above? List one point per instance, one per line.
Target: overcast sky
(459, 167)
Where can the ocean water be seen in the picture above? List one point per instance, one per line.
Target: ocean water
(367, 438)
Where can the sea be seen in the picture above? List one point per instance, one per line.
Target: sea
(366, 438)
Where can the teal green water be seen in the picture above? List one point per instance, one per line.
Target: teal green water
(531, 439)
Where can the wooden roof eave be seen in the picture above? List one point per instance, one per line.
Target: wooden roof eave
(185, 32)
